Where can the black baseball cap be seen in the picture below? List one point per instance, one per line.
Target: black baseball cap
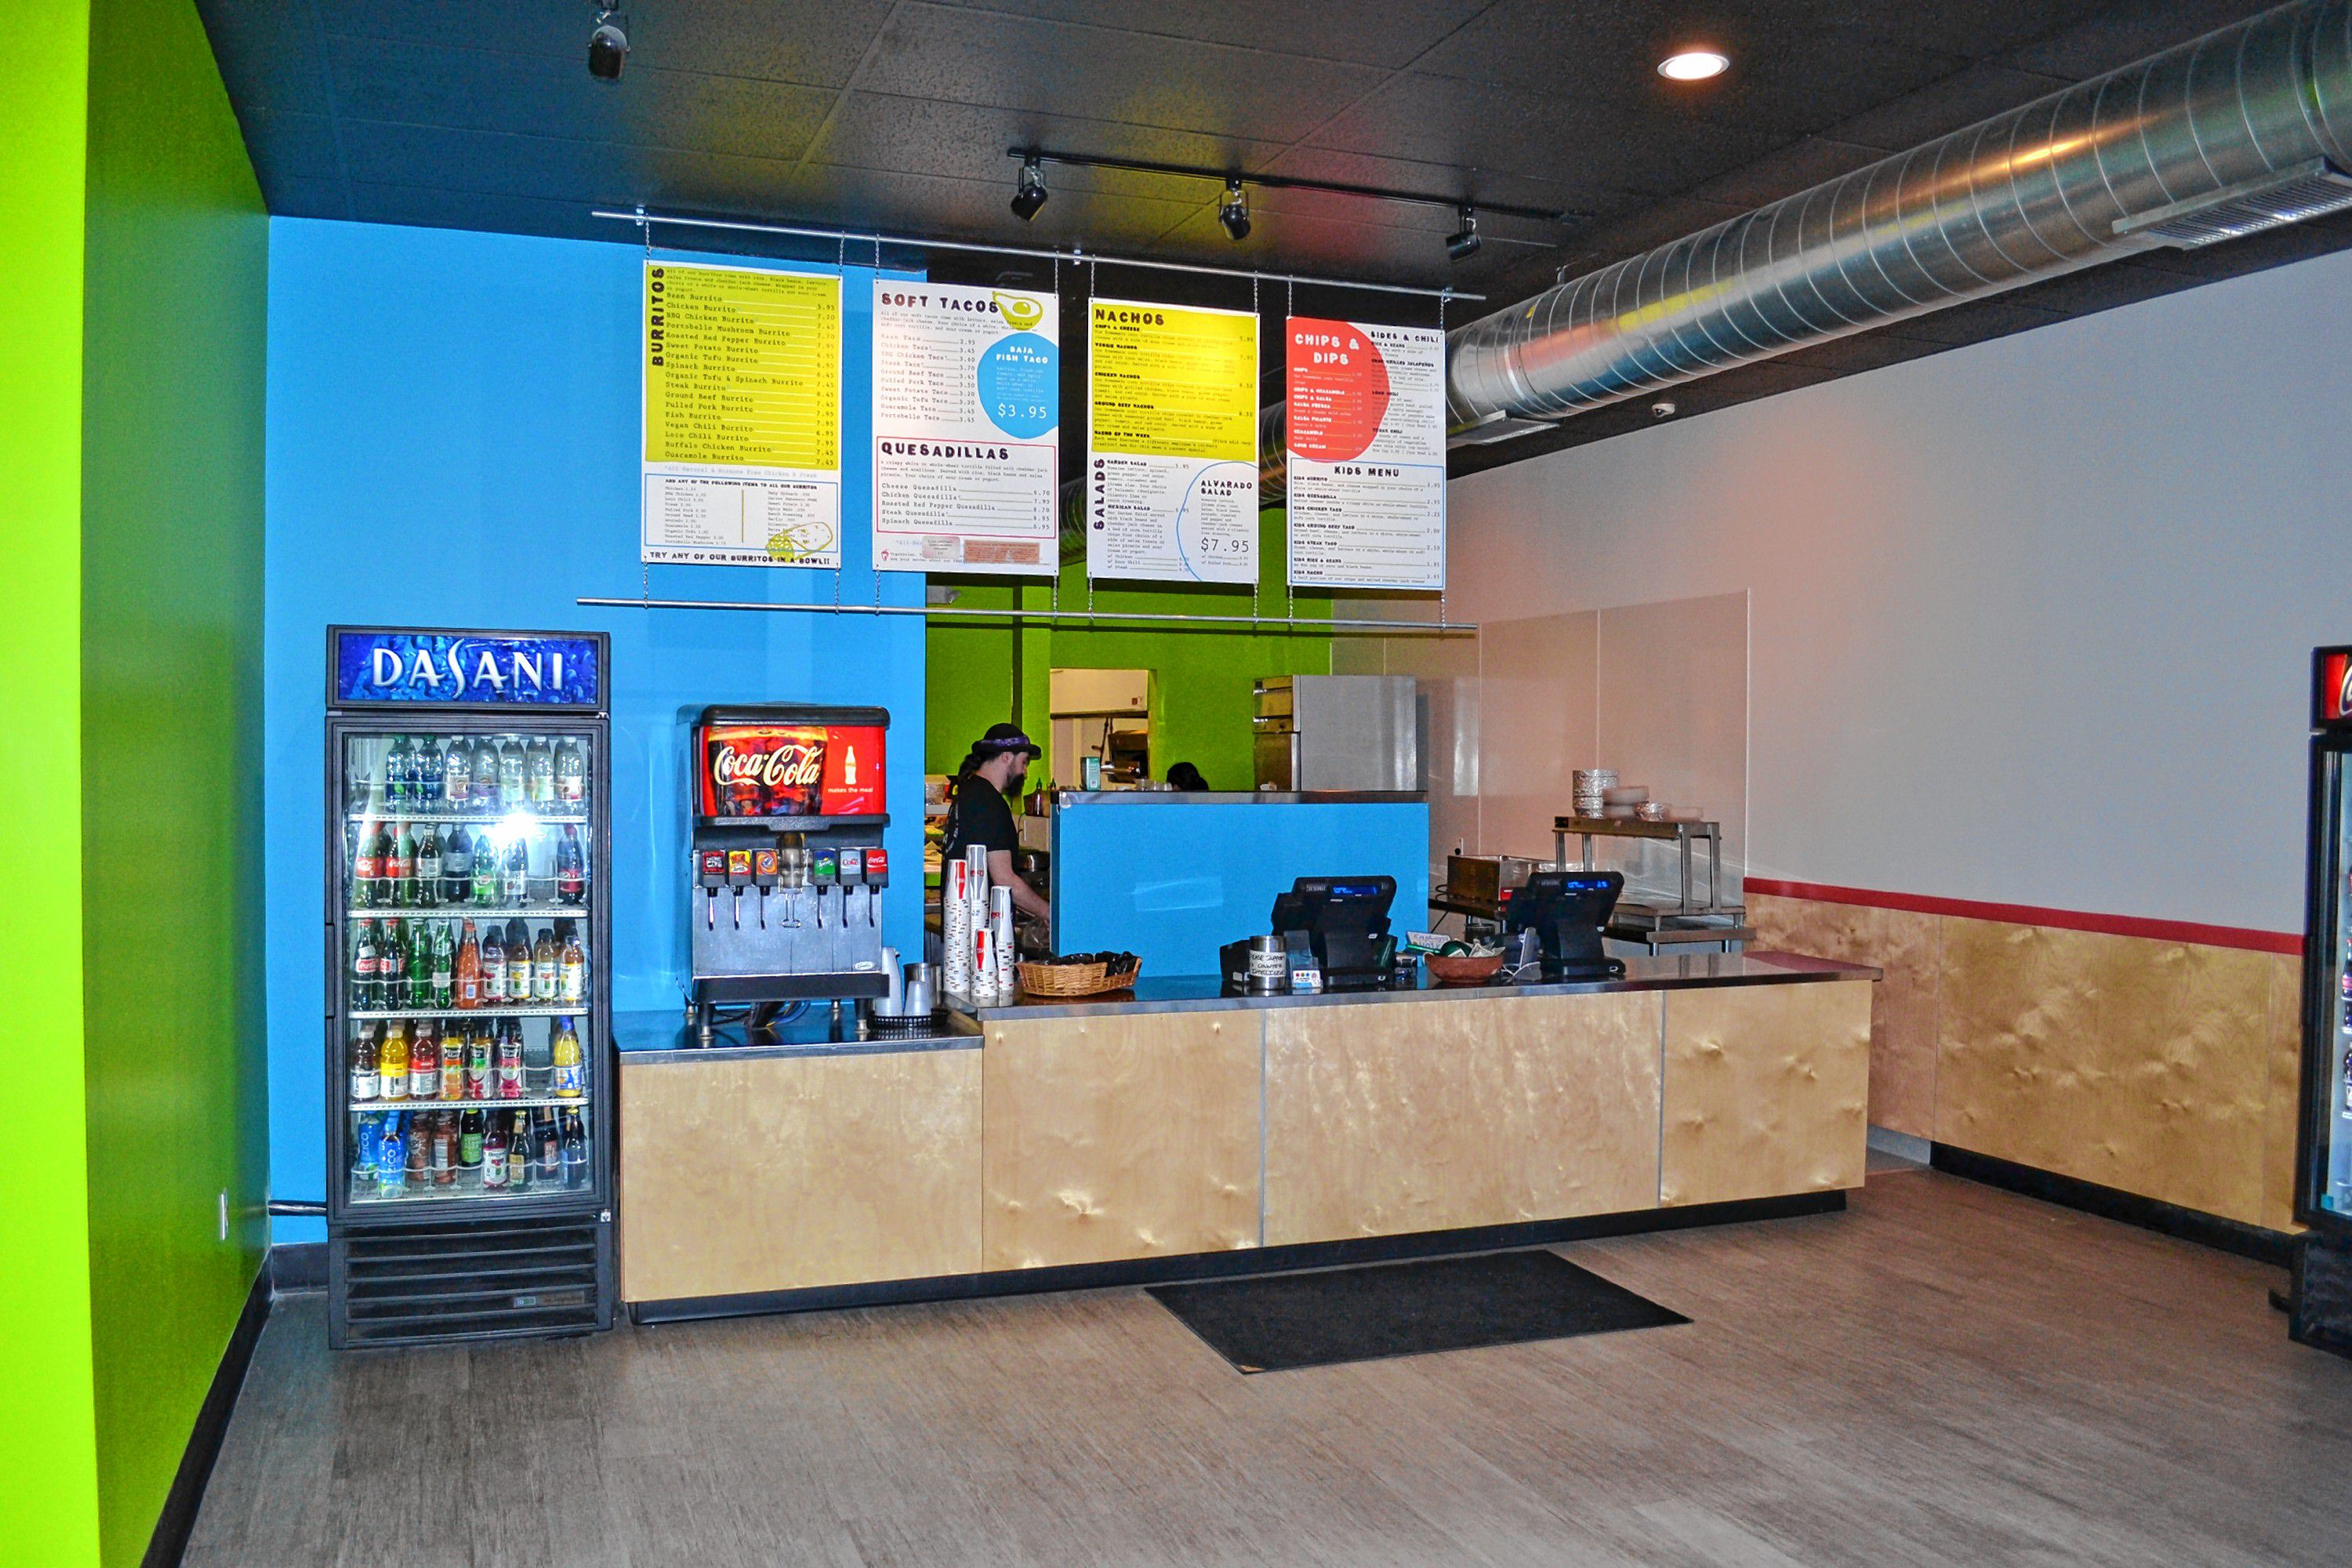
(1004, 738)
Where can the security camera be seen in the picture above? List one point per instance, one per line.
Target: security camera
(608, 50)
(1662, 409)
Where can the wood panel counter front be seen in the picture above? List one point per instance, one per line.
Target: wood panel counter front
(1179, 1124)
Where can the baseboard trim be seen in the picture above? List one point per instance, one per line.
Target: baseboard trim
(178, 1520)
(1902, 1145)
(297, 1265)
(1220, 1264)
(2262, 1245)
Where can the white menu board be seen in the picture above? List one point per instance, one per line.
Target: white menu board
(1364, 434)
(967, 429)
(1171, 451)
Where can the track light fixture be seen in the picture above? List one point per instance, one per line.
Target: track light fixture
(608, 47)
(1030, 194)
(1460, 244)
(1233, 212)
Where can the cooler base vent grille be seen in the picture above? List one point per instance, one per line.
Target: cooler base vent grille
(408, 1285)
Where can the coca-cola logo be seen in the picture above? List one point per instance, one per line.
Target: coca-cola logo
(794, 765)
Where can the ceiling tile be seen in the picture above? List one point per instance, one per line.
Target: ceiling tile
(2116, 36)
(1960, 101)
(1435, 120)
(921, 135)
(268, 52)
(1102, 73)
(1369, 32)
(466, 89)
(291, 146)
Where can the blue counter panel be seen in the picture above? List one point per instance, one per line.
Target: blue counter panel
(1172, 883)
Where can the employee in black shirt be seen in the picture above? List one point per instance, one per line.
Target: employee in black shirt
(997, 765)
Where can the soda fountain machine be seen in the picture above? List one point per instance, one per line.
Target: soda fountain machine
(786, 861)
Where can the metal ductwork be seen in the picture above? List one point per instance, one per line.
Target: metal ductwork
(2242, 129)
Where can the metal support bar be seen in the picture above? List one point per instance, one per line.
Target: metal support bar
(802, 231)
(1295, 623)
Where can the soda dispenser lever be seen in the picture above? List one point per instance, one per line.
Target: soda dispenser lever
(711, 870)
(767, 866)
(739, 877)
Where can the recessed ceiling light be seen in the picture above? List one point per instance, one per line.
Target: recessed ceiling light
(1693, 65)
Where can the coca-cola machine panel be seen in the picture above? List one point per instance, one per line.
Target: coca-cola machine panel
(786, 866)
(470, 1056)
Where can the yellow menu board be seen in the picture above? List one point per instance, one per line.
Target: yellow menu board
(742, 417)
(1171, 463)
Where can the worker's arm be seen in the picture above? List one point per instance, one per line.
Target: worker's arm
(1025, 898)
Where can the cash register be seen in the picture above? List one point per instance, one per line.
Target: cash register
(1557, 916)
(1336, 928)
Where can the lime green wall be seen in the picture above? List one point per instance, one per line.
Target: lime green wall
(1201, 711)
(131, 1087)
(48, 1482)
(173, 333)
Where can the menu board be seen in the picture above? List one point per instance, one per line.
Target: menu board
(742, 417)
(1171, 465)
(967, 429)
(1364, 433)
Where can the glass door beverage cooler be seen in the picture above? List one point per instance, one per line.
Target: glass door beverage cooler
(469, 1059)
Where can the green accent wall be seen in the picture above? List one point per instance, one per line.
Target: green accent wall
(174, 329)
(132, 1084)
(1201, 703)
(48, 1482)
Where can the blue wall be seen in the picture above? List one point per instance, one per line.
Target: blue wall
(452, 440)
(1174, 883)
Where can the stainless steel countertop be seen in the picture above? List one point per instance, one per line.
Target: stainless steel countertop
(1066, 799)
(651, 1039)
(1205, 993)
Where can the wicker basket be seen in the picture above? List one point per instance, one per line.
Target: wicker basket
(1076, 979)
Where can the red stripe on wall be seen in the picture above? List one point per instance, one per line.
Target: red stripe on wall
(2288, 942)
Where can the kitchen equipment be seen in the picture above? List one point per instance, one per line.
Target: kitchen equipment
(1487, 878)
(1335, 732)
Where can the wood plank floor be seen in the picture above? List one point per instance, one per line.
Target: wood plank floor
(1944, 1374)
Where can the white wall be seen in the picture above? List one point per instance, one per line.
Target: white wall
(2030, 620)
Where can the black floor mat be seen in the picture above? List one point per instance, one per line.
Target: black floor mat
(1276, 1321)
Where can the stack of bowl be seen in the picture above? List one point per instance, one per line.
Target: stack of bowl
(1591, 786)
(1622, 803)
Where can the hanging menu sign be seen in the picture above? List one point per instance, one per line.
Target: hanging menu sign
(1364, 433)
(1172, 450)
(742, 417)
(967, 429)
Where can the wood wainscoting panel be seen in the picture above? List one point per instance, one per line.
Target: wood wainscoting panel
(1766, 1092)
(787, 1173)
(2139, 1063)
(2282, 1096)
(1908, 948)
(1112, 1138)
(1386, 1119)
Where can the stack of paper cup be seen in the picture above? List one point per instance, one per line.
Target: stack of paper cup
(982, 988)
(955, 926)
(1000, 937)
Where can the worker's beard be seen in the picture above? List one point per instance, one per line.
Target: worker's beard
(1012, 785)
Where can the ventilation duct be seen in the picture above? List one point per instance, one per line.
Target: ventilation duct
(2242, 129)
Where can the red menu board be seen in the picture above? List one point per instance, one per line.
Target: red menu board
(792, 769)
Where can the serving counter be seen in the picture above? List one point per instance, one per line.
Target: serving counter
(1176, 1130)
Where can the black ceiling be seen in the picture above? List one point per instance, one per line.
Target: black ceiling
(897, 114)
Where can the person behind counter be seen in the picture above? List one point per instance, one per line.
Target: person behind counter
(996, 766)
(1186, 777)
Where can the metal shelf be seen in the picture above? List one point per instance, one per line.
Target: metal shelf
(466, 1188)
(528, 1102)
(469, 817)
(562, 1010)
(468, 912)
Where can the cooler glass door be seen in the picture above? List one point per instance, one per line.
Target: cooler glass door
(463, 919)
(2327, 1196)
